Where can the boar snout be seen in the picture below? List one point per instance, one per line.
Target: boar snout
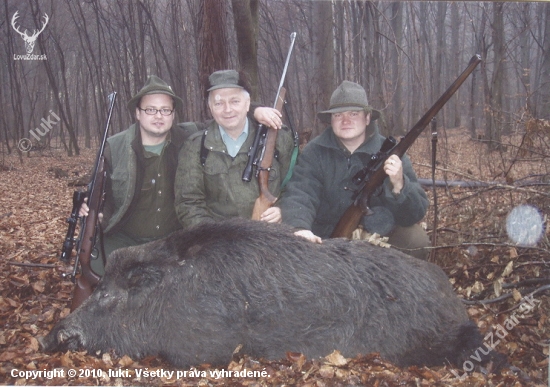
(61, 339)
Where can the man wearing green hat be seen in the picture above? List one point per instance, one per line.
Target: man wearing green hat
(209, 185)
(321, 187)
(141, 164)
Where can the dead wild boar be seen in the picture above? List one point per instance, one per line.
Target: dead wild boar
(195, 296)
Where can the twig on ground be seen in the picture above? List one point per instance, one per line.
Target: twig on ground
(41, 265)
(506, 296)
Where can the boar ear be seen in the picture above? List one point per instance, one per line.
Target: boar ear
(142, 277)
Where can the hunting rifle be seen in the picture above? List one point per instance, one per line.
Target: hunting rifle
(86, 281)
(371, 177)
(262, 151)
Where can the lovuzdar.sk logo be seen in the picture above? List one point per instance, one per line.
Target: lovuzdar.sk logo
(29, 40)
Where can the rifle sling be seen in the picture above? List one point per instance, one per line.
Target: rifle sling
(434, 191)
(204, 151)
(290, 167)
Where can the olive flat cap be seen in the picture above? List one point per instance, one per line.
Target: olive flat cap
(224, 79)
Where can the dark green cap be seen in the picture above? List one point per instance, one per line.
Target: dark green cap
(224, 79)
(349, 96)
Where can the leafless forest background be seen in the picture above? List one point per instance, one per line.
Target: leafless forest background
(404, 53)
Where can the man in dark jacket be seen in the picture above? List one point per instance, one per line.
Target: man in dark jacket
(321, 187)
(209, 185)
(141, 164)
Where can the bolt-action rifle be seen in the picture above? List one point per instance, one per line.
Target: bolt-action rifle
(89, 225)
(371, 177)
(262, 151)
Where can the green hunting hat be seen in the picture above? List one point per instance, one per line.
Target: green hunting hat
(154, 85)
(349, 96)
(224, 79)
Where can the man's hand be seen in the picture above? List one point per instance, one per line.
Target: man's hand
(268, 117)
(271, 215)
(84, 210)
(309, 236)
(394, 169)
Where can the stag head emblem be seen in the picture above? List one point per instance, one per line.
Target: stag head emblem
(29, 39)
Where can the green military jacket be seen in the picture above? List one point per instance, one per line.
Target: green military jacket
(215, 190)
(321, 188)
(124, 159)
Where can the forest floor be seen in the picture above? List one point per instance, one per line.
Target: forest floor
(472, 247)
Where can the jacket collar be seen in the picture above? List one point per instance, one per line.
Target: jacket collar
(214, 141)
(174, 136)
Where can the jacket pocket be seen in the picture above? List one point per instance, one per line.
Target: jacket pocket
(216, 182)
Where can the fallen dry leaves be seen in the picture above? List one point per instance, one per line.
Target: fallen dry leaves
(472, 249)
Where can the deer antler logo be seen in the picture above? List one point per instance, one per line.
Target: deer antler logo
(30, 40)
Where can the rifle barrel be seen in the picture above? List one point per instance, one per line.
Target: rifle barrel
(255, 154)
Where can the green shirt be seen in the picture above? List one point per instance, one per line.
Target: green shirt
(154, 214)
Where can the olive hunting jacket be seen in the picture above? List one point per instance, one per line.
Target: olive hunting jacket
(124, 160)
(215, 190)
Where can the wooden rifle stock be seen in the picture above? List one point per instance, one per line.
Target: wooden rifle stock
(352, 216)
(87, 280)
(266, 198)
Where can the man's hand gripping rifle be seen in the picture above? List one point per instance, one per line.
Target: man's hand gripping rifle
(85, 244)
(372, 176)
(262, 151)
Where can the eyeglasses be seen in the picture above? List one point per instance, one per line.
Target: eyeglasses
(152, 112)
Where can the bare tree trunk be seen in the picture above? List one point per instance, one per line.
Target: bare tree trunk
(16, 99)
(245, 16)
(543, 105)
(418, 85)
(376, 91)
(340, 26)
(323, 51)
(526, 57)
(423, 17)
(497, 80)
(4, 123)
(213, 43)
(439, 70)
(454, 107)
(396, 120)
(360, 43)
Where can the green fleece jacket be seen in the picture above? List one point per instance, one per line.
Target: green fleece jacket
(321, 189)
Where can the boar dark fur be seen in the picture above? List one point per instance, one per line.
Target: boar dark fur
(197, 295)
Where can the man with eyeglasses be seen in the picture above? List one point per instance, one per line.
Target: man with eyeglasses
(321, 187)
(141, 164)
(209, 184)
